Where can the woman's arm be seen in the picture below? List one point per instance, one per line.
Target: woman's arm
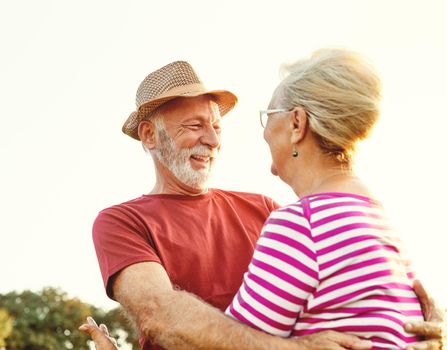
(281, 277)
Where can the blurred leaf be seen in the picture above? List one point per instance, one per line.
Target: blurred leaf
(5, 326)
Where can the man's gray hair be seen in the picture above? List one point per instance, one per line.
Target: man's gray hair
(157, 119)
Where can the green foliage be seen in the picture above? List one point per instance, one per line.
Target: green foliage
(5, 326)
(49, 320)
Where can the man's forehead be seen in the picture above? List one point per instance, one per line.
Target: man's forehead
(203, 100)
(192, 106)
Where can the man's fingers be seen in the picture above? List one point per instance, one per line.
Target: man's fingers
(91, 330)
(350, 341)
(420, 290)
(102, 341)
(427, 303)
(358, 344)
(84, 328)
(90, 320)
(333, 346)
(426, 329)
(425, 300)
(362, 345)
(104, 329)
(434, 344)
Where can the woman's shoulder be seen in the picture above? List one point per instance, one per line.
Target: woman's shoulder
(291, 215)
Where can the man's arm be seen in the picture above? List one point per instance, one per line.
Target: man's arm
(179, 320)
(171, 320)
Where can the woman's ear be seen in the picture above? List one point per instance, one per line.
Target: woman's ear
(146, 132)
(299, 124)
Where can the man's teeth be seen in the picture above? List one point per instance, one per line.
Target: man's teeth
(204, 158)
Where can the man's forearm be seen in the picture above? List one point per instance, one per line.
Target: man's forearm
(178, 320)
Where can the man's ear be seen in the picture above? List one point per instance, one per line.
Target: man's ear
(299, 125)
(146, 133)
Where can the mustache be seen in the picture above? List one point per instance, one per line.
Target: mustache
(201, 151)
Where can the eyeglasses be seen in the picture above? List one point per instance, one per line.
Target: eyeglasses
(266, 113)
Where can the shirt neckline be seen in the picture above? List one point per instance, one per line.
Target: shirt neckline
(203, 196)
(342, 194)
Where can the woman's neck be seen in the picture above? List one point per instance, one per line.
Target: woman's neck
(317, 173)
(322, 180)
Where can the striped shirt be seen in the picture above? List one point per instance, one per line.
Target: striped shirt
(329, 262)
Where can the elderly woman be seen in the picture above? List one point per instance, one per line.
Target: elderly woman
(329, 261)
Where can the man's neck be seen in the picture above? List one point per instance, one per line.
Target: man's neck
(178, 190)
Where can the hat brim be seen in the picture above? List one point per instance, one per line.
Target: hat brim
(225, 100)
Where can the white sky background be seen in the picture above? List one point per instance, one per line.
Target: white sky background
(69, 71)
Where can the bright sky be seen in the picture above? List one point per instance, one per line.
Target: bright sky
(69, 71)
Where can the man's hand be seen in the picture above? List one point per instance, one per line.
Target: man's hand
(433, 328)
(99, 334)
(331, 340)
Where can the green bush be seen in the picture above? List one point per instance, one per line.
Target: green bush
(49, 320)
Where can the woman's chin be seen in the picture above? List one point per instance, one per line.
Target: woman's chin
(281, 175)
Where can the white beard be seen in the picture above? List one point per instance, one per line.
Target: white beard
(177, 160)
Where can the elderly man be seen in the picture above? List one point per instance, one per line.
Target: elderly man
(182, 240)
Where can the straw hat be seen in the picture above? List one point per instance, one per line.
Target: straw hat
(173, 80)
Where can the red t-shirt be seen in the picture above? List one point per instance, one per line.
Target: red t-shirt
(205, 242)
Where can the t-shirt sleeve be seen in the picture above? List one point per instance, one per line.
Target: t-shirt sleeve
(281, 276)
(120, 240)
(270, 204)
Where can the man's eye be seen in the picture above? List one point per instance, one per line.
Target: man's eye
(194, 126)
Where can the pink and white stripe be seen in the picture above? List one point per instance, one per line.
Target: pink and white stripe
(329, 261)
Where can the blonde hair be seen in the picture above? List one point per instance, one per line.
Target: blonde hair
(340, 92)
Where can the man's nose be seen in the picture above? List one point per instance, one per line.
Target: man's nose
(210, 137)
